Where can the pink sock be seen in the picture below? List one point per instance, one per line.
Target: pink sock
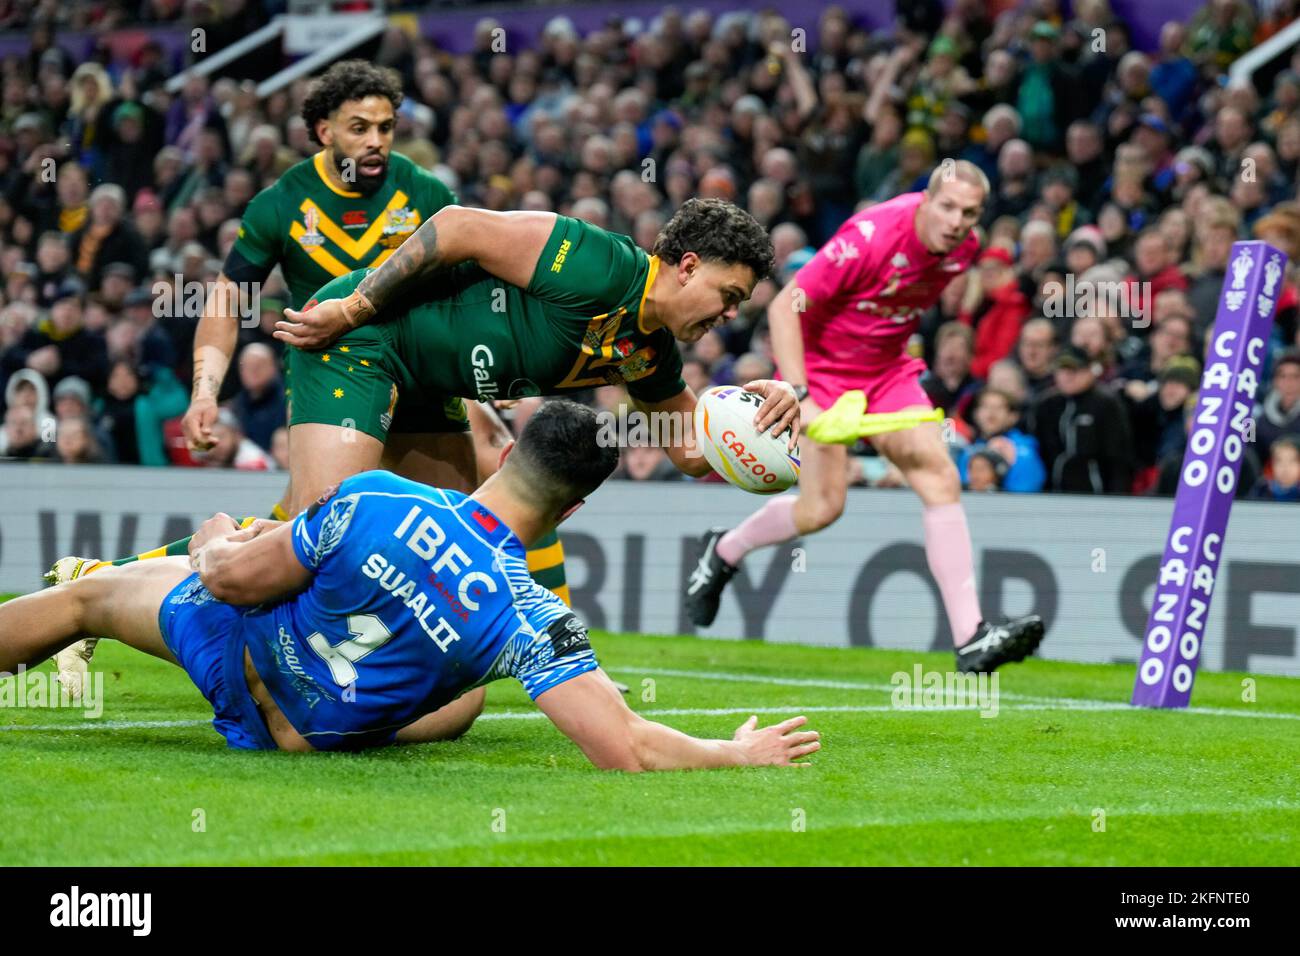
(770, 524)
(948, 551)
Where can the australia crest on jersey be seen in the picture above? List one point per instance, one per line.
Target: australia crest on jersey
(400, 223)
(312, 237)
(635, 366)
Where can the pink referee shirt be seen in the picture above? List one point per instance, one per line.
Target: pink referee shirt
(867, 288)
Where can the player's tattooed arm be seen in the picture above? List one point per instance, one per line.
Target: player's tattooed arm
(206, 383)
(417, 256)
(506, 244)
(215, 341)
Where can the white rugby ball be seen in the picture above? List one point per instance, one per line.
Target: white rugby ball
(725, 433)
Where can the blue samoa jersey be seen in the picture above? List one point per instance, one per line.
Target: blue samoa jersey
(418, 595)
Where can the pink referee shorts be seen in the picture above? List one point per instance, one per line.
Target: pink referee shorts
(889, 388)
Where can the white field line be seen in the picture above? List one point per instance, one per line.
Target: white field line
(1049, 703)
(1031, 702)
(788, 710)
(108, 725)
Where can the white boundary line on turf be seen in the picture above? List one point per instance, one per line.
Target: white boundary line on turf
(108, 725)
(1058, 703)
(1031, 702)
(789, 710)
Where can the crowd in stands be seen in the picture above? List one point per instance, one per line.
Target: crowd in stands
(1109, 166)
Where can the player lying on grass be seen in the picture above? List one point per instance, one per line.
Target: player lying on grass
(841, 326)
(359, 622)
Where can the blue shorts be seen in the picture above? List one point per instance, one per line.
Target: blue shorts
(203, 634)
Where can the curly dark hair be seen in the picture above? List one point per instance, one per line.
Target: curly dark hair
(348, 80)
(719, 231)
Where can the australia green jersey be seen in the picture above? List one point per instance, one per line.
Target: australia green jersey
(576, 326)
(316, 231)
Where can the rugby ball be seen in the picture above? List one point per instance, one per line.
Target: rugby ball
(725, 434)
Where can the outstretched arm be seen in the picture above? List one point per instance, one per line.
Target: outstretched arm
(590, 711)
(506, 244)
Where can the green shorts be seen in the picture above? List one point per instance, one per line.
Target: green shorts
(360, 382)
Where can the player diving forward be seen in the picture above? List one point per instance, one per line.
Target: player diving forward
(841, 325)
(359, 623)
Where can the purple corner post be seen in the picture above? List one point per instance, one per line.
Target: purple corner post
(1222, 425)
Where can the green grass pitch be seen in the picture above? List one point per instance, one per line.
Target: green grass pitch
(151, 783)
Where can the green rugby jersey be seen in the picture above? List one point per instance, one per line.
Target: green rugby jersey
(316, 231)
(576, 326)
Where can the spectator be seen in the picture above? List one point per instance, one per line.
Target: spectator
(73, 399)
(1092, 335)
(232, 448)
(260, 405)
(107, 237)
(1085, 148)
(1057, 190)
(750, 367)
(999, 313)
(1216, 230)
(1007, 376)
(1172, 337)
(1157, 418)
(950, 384)
(997, 421)
(1082, 431)
(1284, 467)
(695, 374)
(1278, 415)
(986, 470)
(1174, 75)
(1048, 94)
(1014, 193)
(879, 155)
(647, 463)
(1155, 271)
(19, 438)
(77, 443)
(1036, 353)
(117, 417)
(53, 263)
(60, 345)
(280, 448)
(133, 138)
